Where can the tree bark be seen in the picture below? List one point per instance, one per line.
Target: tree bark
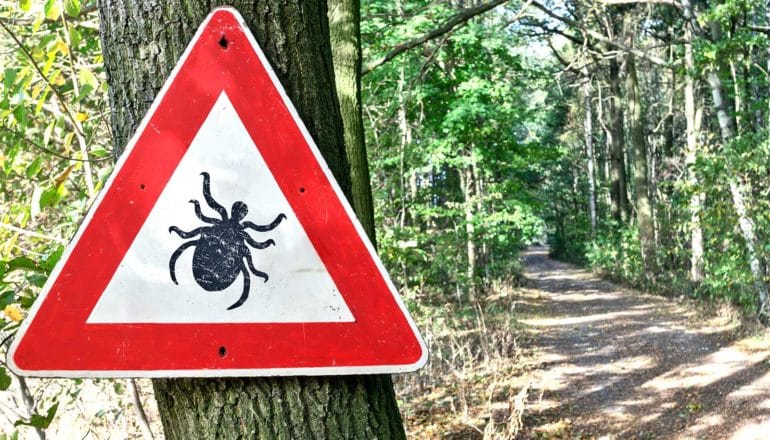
(617, 153)
(725, 114)
(693, 111)
(737, 191)
(467, 179)
(641, 183)
(605, 155)
(588, 134)
(345, 36)
(142, 40)
(405, 140)
(767, 64)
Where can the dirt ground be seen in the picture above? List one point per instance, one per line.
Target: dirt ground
(617, 364)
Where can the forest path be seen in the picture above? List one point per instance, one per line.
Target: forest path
(616, 363)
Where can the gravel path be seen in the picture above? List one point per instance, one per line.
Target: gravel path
(615, 363)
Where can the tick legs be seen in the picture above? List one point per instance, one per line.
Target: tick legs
(184, 234)
(175, 255)
(254, 269)
(210, 200)
(245, 294)
(265, 228)
(200, 215)
(258, 244)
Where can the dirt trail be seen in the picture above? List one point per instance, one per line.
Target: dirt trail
(615, 363)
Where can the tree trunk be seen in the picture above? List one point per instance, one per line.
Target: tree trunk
(588, 134)
(469, 203)
(142, 40)
(641, 183)
(345, 36)
(605, 155)
(405, 140)
(617, 152)
(767, 64)
(737, 192)
(693, 111)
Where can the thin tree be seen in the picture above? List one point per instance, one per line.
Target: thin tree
(345, 35)
(588, 135)
(641, 182)
(693, 110)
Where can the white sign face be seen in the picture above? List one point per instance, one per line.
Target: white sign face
(298, 288)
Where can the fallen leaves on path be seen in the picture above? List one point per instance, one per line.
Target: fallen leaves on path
(572, 356)
(621, 364)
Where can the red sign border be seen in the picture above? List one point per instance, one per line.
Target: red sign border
(55, 340)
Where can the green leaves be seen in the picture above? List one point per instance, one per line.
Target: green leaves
(456, 144)
(72, 7)
(49, 261)
(5, 379)
(18, 264)
(52, 9)
(40, 421)
(21, 263)
(88, 83)
(34, 168)
(44, 195)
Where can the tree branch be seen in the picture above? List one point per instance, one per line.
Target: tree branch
(597, 36)
(141, 415)
(673, 3)
(758, 28)
(33, 234)
(62, 102)
(458, 20)
(29, 141)
(548, 31)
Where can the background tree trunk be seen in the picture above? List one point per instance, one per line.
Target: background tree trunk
(641, 183)
(588, 135)
(142, 40)
(693, 110)
(345, 36)
(467, 179)
(617, 151)
(725, 116)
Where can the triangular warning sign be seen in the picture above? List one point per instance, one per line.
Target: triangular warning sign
(220, 246)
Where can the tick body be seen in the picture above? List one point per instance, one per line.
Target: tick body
(222, 250)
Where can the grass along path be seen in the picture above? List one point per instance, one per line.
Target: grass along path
(616, 363)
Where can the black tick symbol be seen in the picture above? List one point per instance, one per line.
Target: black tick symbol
(221, 252)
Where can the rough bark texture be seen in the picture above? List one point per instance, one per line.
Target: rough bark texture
(617, 153)
(693, 111)
(353, 407)
(142, 41)
(588, 134)
(641, 182)
(345, 36)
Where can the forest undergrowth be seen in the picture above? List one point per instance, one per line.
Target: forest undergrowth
(476, 383)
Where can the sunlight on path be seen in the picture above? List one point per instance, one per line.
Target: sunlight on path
(616, 363)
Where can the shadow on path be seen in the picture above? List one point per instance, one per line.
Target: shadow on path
(622, 364)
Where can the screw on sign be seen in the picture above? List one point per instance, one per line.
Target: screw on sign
(125, 296)
(221, 250)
